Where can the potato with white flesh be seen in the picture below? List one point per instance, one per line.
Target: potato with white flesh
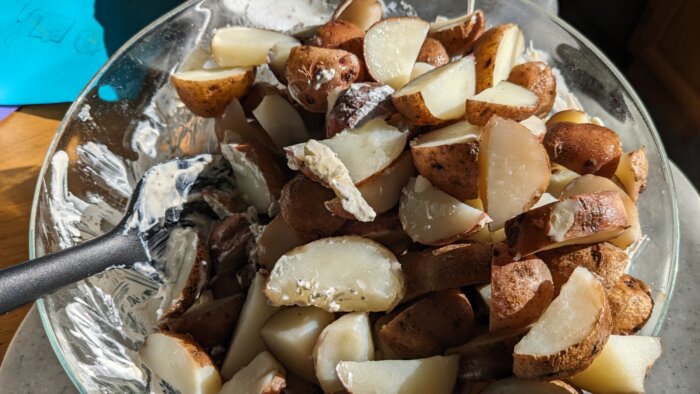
(496, 52)
(445, 267)
(239, 46)
(210, 323)
(207, 92)
(276, 239)
(257, 93)
(458, 35)
(246, 342)
(513, 170)
(313, 73)
(260, 174)
(536, 77)
(569, 115)
(561, 177)
(302, 207)
(419, 69)
(181, 362)
(391, 48)
(263, 375)
(536, 126)
(570, 333)
(622, 366)
(504, 99)
(291, 334)
(438, 95)
(433, 53)
(436, 375)
(488, 356)
(631, 305)
(632, 172)
(592, 183)
(432, 217)
(359, 103)
(584, 148)
(545, 199)
(233, 127)
(448, 158)
(277, 58)
(316, 275)
(186, 270)
(281, 121)
(580, 219)
(522, 386)
(347, 339)
(362, 13)
(433, 324)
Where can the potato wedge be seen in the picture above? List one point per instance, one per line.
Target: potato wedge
(432, 217)
(561, 177)
(495, 53)
(504, 99)
(207, 92)
(522, 386)
(584, 148)
(488, 356)
(276, 239)
(632, 171)
(239, 46)
(281, 121)
(229, 241)
(419, 69)
(391, 48)
(433, 53)
(458, 35)
(291, 334)
(185, 273)
(382, 351)
(536, 77)
(434, 375)
(362, 13)
(631, 305)
(438, 95)
(181, 362)
(277, 58)
(448, 158)
(427, 328)
(233, 127)
(335, 33)
(570, 333)
(347, 339)
(316, 275)
(622, 365)
(569, 115)
(506, 145)
(263, 375)
(445, 267)
(358, 104)
(536, 126)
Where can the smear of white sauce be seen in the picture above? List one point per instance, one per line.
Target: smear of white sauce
(66, 209)
(104, 165)
(84, 113)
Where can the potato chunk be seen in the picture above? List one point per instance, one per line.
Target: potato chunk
(263, 375)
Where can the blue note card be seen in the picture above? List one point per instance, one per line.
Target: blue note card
(49, 50)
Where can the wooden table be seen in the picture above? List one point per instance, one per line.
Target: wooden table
(24, 139)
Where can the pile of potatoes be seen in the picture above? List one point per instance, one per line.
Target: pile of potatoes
(409, 217)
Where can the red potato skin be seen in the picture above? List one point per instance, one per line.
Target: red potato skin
(584, 148)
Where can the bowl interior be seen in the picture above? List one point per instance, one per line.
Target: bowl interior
(129, 118)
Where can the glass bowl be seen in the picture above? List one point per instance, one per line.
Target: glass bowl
(129, 118)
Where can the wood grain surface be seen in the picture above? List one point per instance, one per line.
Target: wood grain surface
(24, 139)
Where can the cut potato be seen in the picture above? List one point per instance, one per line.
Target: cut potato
(448, 158)
(569, 115)
(335, 33)
(570, 333)
(622, 366)
(522, 386)
(239, 46)
(391, 48)
(536, 126)
(580, 219)
(246, 342)
(513, 170)
(257, 93)
(432, 217)
(496, 52)
(263, 375)
(632, 171)
(505, 99)
(458, 35)
(276, 239)
(291, 334)
(438, 95)
(207, 92)
(419, 69)
(229, 240)
(223, 203)
(545, 199)
(385, 229)
(382, 351)
(536, 77)
(260, 174)
(445, 267)
(316, 275)
(233, 127)
(436, 375)
(584, 148)
(211, 323)
(277, 58)
(561, 177)
(433, 53)
(631, 305)
(186, 269)
(181, 362)
(358, 104)
(347, 339)
(362, 13)
(280, 121)
(433, 324)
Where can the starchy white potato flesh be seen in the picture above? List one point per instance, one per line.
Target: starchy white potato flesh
(212, 74)
(250, 180)
(444, 24)
(510, 46)
(622, 366)
(632, 171)
(362, 13)
(185, 271)
(347, 339)
(455, 133)
(432, 217)
(280, 121)
(561, 177)
(263, 375)
(507, 93)
(182, 363)
(545, 199)
(419, 69)
(436, 375)
(343, 274)
(237, 46)
(391, 47)
(536, 126)
(291, 334)
(278, 55)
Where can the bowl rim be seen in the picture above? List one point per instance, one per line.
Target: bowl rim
(665, 165)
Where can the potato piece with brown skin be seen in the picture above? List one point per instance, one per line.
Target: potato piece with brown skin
(603, 259)
(276, 239)
(225, 285)
(207, 92)
(312, 73)
(363, 13)
(584, 148)
(186, 271)
(233, 127)
(335, 33)
(302, 207)
(495, 53)
(631, 305)
(445, 267)
(538, 78)
(256, 94)
(504, 99)
(433, 53)
(430, 326)
(222, 203)
(569, 115)
(358, 104)
(459, 35)
(633, 171)
(228, 243)
(385, 229)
